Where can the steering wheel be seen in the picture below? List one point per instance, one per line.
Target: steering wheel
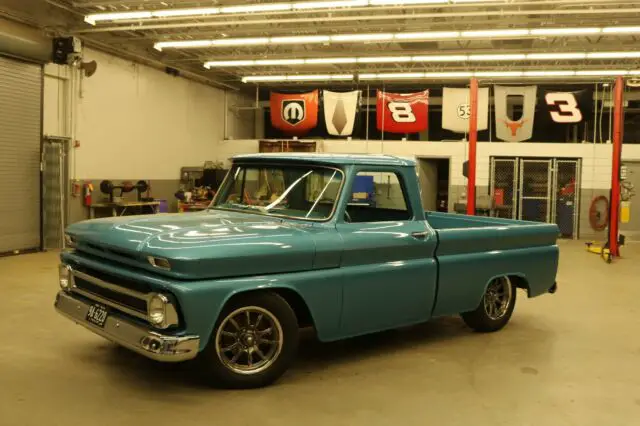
(347, 217)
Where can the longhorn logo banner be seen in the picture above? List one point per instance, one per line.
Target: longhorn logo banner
(456, 109)
(507, 128)
(340, 111)
(294, 113)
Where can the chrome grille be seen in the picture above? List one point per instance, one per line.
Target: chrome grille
(124, 299)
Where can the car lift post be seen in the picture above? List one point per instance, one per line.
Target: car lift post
(614, 204)
(473, 141)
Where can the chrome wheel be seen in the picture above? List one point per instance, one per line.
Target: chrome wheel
(497, 298)
(249, 340)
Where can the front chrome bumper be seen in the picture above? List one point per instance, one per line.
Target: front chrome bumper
(132, 336)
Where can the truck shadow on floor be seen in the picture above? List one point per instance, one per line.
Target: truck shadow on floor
(314, 359)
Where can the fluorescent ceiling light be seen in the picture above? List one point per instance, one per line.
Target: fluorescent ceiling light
(448, 74)
(300, 39)
(362, 37)
(392, 75)
(556, 56)
(613, 55)
(621, 30)
(439, 58)
(331, 61)
(256, 8)
(440, 75)
(428, 35)
(602, 72)
(565, 31)
(279, 62)
(92, 19)
(212, 64)
(185, 12)
(182, 44)
(297, 77)
(495, 33)
(329, 4)
(239, 41)
(384, 59)
(549, 73)
(487, 34)
(308, 77)
(498, 73)
(428, 58)
(504, 57)
(264, 78)
(403, 2)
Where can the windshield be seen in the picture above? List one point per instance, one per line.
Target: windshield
(301, 192)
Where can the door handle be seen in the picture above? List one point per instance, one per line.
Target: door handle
(420, 235)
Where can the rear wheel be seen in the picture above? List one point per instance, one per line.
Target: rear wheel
(254, 341)
(496, 307)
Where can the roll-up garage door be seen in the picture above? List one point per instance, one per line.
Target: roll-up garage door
(20, 140)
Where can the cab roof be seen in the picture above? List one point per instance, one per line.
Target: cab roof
(329, 159)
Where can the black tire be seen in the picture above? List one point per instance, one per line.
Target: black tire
(263, 303)
(481, 319)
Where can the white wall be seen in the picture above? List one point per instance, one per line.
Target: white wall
(596, 158)
(133, 121)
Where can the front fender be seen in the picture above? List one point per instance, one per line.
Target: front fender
(201, 302)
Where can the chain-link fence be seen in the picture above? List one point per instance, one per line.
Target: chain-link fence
(540, 190)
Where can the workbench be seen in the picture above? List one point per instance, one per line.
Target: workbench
(119, 209)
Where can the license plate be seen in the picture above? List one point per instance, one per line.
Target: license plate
(97, 315)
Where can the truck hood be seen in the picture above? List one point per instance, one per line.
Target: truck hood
(209, 244)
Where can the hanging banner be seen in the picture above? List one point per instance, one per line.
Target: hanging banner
(340, 111)
(402, 112)
(456, 109)
(294, 114)
(568, 107)
(508, 129)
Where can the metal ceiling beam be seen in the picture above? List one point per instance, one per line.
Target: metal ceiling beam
(546, 12)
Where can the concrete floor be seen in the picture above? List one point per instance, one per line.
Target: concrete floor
(572, 358)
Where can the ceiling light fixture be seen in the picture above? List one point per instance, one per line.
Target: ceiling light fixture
(429, 58)
(565, 31)
(383, 59)
(254, 8)
(503, 57)
(362, 37)
(300, 39)
(297, 77)
(428, 35)
(439, 75)
(329, 4)
(486, 34)
(495, 33)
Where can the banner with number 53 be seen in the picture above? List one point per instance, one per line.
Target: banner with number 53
(456, 109)
(402, 112)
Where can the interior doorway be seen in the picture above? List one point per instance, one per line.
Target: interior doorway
(433, 174)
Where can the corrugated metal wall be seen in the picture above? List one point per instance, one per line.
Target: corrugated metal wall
(20, 139)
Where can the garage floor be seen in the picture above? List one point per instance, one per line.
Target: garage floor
(572, 358)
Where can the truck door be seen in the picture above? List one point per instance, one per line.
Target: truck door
(388, 262)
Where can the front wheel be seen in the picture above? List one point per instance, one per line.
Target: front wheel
(495, 308)
(254, 341)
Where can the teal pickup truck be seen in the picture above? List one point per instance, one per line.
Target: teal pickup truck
(339, 243)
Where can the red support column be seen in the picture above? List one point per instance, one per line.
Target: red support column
(614, 208)
(473, 141)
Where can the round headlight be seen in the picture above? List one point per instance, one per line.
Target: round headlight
(158, 309)
(64, 276)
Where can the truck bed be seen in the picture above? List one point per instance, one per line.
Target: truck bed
(474, 249)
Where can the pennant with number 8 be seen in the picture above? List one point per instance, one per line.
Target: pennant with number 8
(402, 112)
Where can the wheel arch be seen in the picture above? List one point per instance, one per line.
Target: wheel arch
(291, 296)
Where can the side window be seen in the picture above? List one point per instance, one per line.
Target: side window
(377, 197)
